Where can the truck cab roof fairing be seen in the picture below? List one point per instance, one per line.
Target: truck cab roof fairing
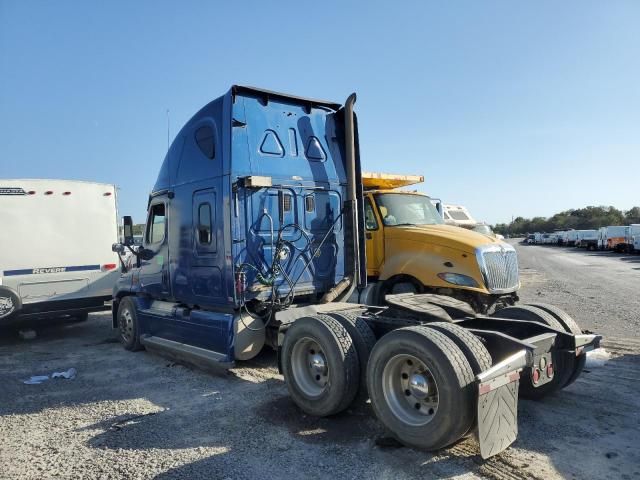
(219, 111)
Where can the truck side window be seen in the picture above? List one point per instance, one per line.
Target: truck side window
(205, 138)
(370, 221)
(156, 227)
(204, 224)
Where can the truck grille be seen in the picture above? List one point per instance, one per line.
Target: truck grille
(499, 266)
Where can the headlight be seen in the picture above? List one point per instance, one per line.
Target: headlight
(458, 279)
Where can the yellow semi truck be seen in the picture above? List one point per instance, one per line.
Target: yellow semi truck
(410, 249)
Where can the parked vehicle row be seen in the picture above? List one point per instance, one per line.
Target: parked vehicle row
(617, 238)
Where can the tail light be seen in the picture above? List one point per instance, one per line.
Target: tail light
(550, 370)
(535, 375)
(109, 266)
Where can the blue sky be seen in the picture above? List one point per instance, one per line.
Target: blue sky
(510, 108)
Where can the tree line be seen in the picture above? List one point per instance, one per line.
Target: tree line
(579, 219)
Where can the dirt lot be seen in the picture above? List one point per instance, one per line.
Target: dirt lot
(138, 415)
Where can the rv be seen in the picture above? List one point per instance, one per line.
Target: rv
(458, 216)
(55, 249)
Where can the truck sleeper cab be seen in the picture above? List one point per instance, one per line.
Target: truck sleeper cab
(255, 236)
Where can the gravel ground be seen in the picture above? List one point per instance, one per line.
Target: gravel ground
(601, 290)
(139, 415)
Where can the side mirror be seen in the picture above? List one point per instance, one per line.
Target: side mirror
(127, 230)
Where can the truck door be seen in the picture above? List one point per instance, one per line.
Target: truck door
(206, 265)
(154, 274)
(374, 239)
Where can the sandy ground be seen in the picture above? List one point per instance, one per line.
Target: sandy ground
(138, 415)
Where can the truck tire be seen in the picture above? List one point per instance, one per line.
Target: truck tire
(128, 326)
(474, 350)
(562, 371)
(320, 365)
(532, 314)
(571, 326)
(421, 387)
(363, 340)
(567, 322)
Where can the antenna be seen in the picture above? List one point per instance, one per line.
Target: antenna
(168, 124)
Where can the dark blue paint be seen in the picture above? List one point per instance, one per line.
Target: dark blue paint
(295, 142)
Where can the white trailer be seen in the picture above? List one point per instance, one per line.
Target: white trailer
(55, 249)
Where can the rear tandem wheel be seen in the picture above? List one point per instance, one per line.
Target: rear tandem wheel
(363, 340)
(421, 387)
(571, 326)
(563, 365)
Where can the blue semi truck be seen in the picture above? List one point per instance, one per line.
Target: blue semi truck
(254, 239)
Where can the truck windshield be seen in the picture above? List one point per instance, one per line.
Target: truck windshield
(484, 229)
(407, 209)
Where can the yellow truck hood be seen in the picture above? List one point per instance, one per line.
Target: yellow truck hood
(443, 235)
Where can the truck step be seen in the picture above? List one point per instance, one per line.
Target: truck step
(195, 355)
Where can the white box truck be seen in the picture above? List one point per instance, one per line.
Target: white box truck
(617, 237)
(633, 238)
(602, 238)
(587, 239)
(572, 238)
(55, 249)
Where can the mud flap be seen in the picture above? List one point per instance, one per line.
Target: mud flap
(498, 413)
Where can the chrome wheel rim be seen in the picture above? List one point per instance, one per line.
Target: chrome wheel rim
(126, 325)
(309, 367)
(410, 390)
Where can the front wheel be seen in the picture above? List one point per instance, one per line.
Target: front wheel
(421, 387)
(128, 326)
